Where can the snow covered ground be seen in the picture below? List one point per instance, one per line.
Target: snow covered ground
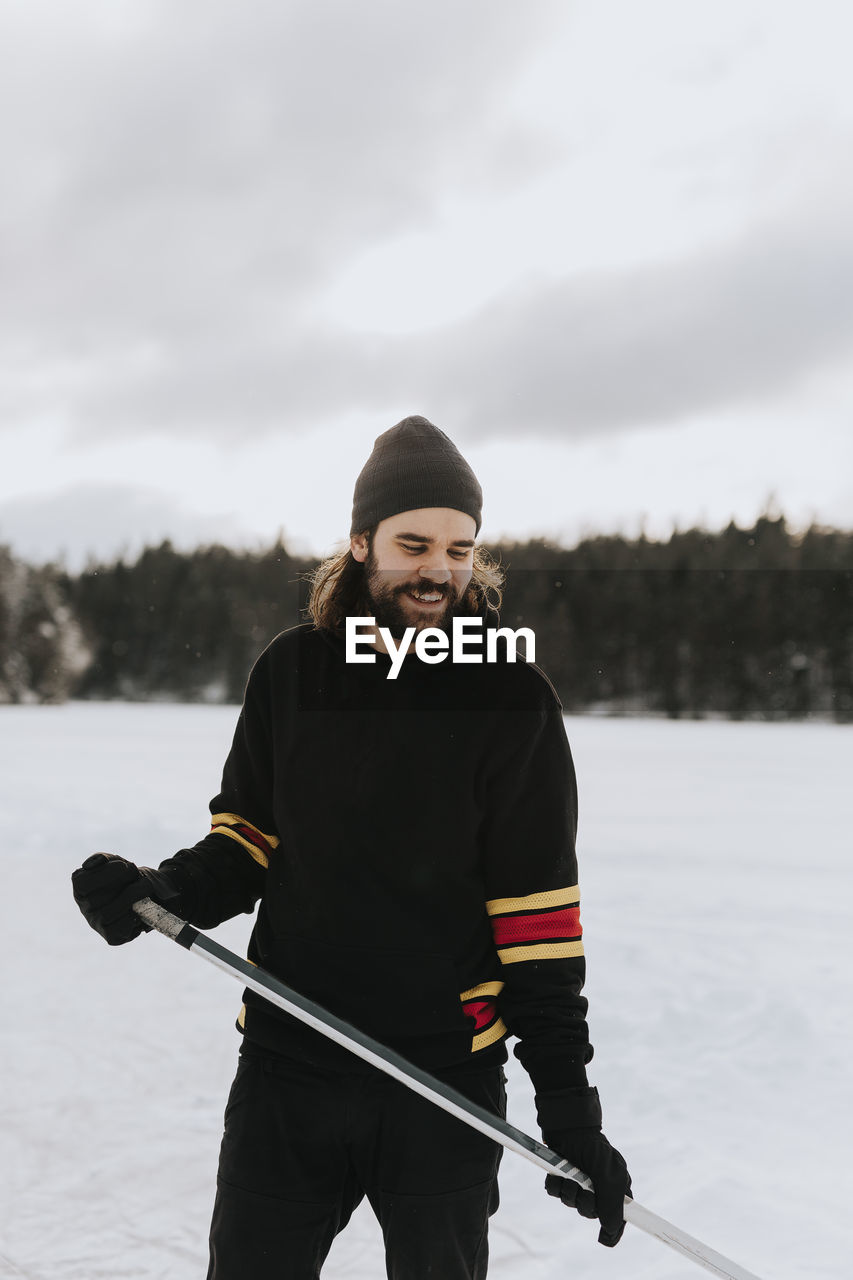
(716, 869)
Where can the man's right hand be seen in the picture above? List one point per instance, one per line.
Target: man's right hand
(105, 889)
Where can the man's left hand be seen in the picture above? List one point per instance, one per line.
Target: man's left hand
(590, 1151)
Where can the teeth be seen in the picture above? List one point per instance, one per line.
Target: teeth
(427, 595)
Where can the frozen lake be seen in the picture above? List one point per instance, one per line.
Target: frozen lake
(716, 877)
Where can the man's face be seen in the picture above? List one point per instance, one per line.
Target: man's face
(417, 567)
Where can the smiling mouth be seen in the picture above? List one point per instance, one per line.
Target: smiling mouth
(426, 597)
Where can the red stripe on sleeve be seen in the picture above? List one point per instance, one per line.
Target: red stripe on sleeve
(508, 930)
(482, 1011)
(255, 837)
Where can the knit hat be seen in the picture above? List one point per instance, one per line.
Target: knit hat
(414, 465)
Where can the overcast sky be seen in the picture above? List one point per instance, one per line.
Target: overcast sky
(606, 245)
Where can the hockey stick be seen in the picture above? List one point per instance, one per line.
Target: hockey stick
(421, 1082)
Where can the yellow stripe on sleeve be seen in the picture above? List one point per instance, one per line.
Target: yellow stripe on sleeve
(541, 951)
(227, 824)
(495, 1032)
(234, 819)
(534, 901)
(484, 989)
(256, 853)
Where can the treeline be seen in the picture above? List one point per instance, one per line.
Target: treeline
(183, 626)
(742, 623)
(745, 623)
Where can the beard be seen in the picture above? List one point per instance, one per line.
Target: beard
(389, 603)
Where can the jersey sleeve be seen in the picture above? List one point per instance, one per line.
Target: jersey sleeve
(223, 874)
(533, 898)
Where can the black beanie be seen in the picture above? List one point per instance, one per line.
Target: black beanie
(413, 465)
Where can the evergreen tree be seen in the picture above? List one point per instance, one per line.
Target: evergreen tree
(741, 623)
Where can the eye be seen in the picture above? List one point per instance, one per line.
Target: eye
(459, 555)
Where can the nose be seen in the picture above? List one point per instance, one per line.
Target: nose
(437, 571)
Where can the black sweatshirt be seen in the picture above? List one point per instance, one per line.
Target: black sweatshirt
(412, 844)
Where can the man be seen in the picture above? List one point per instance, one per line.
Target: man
(411, 842)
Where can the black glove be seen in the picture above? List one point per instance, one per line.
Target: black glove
(590, 1151)
(105, 889)
(570, 1120)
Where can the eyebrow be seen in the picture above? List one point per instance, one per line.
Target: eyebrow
(419, 537)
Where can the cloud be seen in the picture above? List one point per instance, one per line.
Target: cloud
(732, 326)
(178, 179)
(83, 520)
(181, 181)
(567, 358)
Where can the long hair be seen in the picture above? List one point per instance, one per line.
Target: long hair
(337, 588)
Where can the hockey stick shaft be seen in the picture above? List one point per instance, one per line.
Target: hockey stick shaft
(421, 1082)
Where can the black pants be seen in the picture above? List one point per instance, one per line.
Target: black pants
(302, 1147)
